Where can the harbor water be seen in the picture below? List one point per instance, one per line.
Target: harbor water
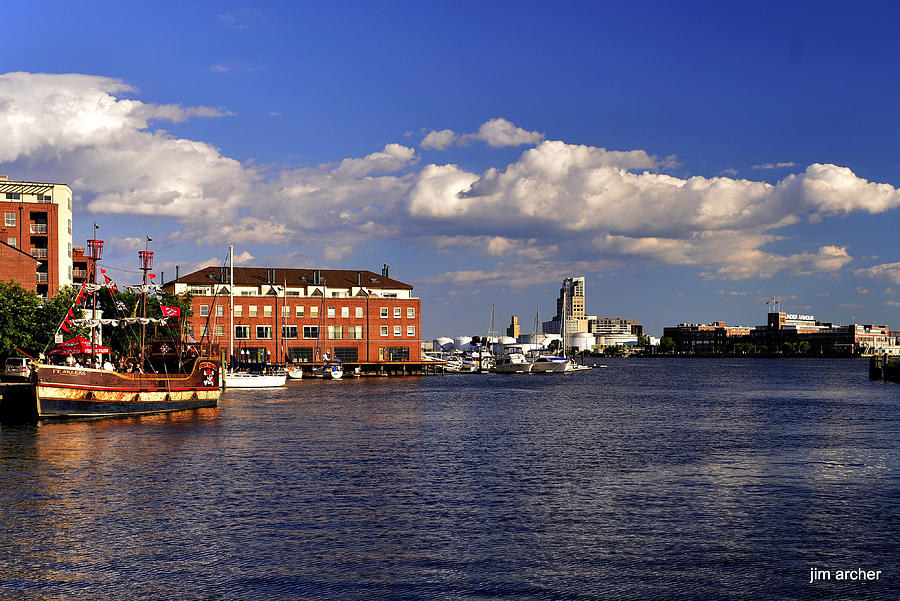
(649, 479)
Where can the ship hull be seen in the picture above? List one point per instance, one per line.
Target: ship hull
(65, 392)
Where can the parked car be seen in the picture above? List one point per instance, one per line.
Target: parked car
(17, 367)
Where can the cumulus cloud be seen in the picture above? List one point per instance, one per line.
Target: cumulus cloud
(888, 271)
(557, 202)
(439, 140)
(498, 133)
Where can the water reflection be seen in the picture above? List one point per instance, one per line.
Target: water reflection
(650, 479)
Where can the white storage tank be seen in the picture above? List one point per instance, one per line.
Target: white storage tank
(443, 344)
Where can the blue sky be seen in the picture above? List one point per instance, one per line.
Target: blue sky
(690, 159)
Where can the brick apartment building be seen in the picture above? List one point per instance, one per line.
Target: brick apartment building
(37, 220)
(299, 315)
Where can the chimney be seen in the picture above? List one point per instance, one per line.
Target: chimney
(176, 272)
(385, 270)
(359, 278)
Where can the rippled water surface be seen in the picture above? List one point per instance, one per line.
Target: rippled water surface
(651, 479)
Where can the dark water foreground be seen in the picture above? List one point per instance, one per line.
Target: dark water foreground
(652, 479)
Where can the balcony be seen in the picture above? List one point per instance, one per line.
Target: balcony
(41, 278)
(38, 228)
(39, 253)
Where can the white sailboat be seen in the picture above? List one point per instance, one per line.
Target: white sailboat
(240, 378)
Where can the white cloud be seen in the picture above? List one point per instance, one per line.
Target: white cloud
(556, 202)
(500, 132)
(439, 140)
(889, 271)
(775, 165)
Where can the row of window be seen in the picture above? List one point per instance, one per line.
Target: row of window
(309, 332)
(300, 311)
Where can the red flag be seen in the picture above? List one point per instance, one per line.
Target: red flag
(168, 311)
(65, 326)
(152, 275)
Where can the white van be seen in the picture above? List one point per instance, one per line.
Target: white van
(17, 367)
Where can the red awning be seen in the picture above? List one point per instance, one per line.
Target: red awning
(78, 346)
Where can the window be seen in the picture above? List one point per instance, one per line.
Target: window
(410, 312)
(310, 331)
(335, 332)
(288, 331)
(314, 311)
(300, 354)
(204, 310)
(384, 330)
(394, 353)
(359, 312)
(13, 196)
(397, 312)
(70, 226)
(410, 330)
(267, 311)
(220, 330)
(11, 241)
(355, 332)
(251, 311)
(384, 312)
(241, 332)
(299, 310)
(238, 310)
(347, 354)
(220, 310)
(398, 330)
(263, 332)
(331, 312)
(9, 219)
(204, 331)
(345, 311)
(285, 312)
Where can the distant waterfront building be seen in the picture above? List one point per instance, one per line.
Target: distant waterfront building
(302, 314)
(823, 338)
(571, 304)
(37, 220)
(514, 330)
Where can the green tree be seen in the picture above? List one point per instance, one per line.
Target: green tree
(51, 315)
(554, 346)
(667, 345)
(643, 341)
(803, 348)
(19, 310)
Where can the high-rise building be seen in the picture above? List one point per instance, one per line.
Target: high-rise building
(37, 219)
(514, 330)
(571, 305)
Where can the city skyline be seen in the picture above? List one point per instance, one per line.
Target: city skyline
(690, 162)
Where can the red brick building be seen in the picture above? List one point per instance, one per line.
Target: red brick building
(37, 219)
(18, 266)
(300, 315)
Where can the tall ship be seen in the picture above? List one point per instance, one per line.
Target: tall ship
(160, 376)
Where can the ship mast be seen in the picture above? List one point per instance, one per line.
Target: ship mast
(95, 248)
(146, 260)
(231, 303)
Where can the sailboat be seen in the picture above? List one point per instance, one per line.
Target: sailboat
(236, 378)
(173, 382)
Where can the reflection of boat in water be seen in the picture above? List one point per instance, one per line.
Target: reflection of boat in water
(512, 362)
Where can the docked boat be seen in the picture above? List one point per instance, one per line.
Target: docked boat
(248, 379)
(512, 362)
(295, 372)
(63, 391)
(173, 377)
(332, 370)
(544, 361)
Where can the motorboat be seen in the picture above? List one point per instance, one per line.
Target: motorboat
(295, 372)
(332, 370)
(512, 362)
(543, 361)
